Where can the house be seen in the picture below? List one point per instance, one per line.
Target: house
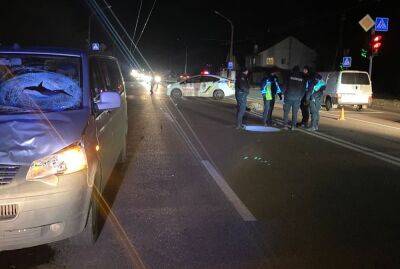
(284, 55)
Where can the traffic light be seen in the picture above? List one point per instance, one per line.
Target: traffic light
(364, 53)
(376, 44)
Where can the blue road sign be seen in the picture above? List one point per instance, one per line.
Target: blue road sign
(95, 46)
(346, 62)
(381, 24)
(230, 65)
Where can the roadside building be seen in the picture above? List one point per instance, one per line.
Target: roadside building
(283, 56)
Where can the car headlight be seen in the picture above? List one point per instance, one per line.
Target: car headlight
(67, 161)
(157, 79)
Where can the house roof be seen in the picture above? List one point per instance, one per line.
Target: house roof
(276, 41)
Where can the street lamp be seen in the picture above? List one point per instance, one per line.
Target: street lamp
(232, 31)
(90, 24)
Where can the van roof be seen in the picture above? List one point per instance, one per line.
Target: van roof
(43, 50)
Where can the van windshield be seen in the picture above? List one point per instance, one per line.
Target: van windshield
(39, 83)
(355, 78)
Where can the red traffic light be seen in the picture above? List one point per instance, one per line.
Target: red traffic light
(376, 43)
(377, 38)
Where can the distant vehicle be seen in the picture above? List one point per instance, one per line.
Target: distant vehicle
(183, 77)
(63, 123)
(203, 86)
(347, 88)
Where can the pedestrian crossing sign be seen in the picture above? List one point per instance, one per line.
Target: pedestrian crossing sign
(346, 62)
(381, 24)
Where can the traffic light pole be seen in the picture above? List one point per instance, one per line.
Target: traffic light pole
(371, 60)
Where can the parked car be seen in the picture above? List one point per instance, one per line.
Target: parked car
(63, 123)
(203, 86)
(347, 88)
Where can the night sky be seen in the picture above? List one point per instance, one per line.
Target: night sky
(176, 24)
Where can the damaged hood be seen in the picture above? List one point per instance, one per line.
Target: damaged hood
(28, 137)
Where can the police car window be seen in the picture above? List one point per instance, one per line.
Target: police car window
(209, 79)
(193, 80)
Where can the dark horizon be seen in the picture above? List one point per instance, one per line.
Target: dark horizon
(173, 26)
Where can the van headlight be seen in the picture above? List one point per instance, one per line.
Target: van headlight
(67, 161)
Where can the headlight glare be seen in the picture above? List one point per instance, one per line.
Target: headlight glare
(67, 161)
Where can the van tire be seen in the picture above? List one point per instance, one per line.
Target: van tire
(176, 93)
(328, 104)
(218, 95)
(359, 107)
(89, 235)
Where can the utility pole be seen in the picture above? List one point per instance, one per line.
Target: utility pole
(186, 59)
(340, 44)
(232, 35)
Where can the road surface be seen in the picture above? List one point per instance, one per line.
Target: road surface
(196, 193)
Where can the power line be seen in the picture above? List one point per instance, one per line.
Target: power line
(147, 20)
(137, 21)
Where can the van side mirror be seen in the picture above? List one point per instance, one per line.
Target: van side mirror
(108, 101)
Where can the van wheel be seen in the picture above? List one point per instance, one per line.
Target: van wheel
(328, 104)
(91, 232)
(218, 95)
(176, 93)
(359, 108)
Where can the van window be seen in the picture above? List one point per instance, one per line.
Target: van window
(39, 83)
(97, 82)
(355, 78)
(114, 76)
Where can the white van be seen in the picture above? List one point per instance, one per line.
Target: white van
(63, 127)
(347, 88)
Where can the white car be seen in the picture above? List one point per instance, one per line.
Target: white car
(203, 86)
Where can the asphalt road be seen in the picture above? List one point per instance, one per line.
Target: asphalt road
(196, 193)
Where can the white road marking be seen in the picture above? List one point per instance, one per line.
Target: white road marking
(243, 211)
(351, 118)
(365, 121)
(349, 145)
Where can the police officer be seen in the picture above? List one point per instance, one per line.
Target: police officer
(242, 88)
(295, 90)
(305, 101)
(315, 101)
(269, 89)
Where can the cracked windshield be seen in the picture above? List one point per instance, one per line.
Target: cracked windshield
(199, 134)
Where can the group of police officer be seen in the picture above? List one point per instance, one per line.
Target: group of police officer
(304, 90)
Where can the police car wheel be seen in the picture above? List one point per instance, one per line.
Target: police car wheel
(218, 95)
(328, 104)
(176, 93)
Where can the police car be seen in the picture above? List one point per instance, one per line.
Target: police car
(203, 86)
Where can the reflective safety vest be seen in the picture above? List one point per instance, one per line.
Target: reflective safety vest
(318, 86)
(267, 90)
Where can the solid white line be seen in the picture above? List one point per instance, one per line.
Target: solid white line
(346, 144)
(219, 180)
(243, 211)
(367, 122)
(351, 118)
